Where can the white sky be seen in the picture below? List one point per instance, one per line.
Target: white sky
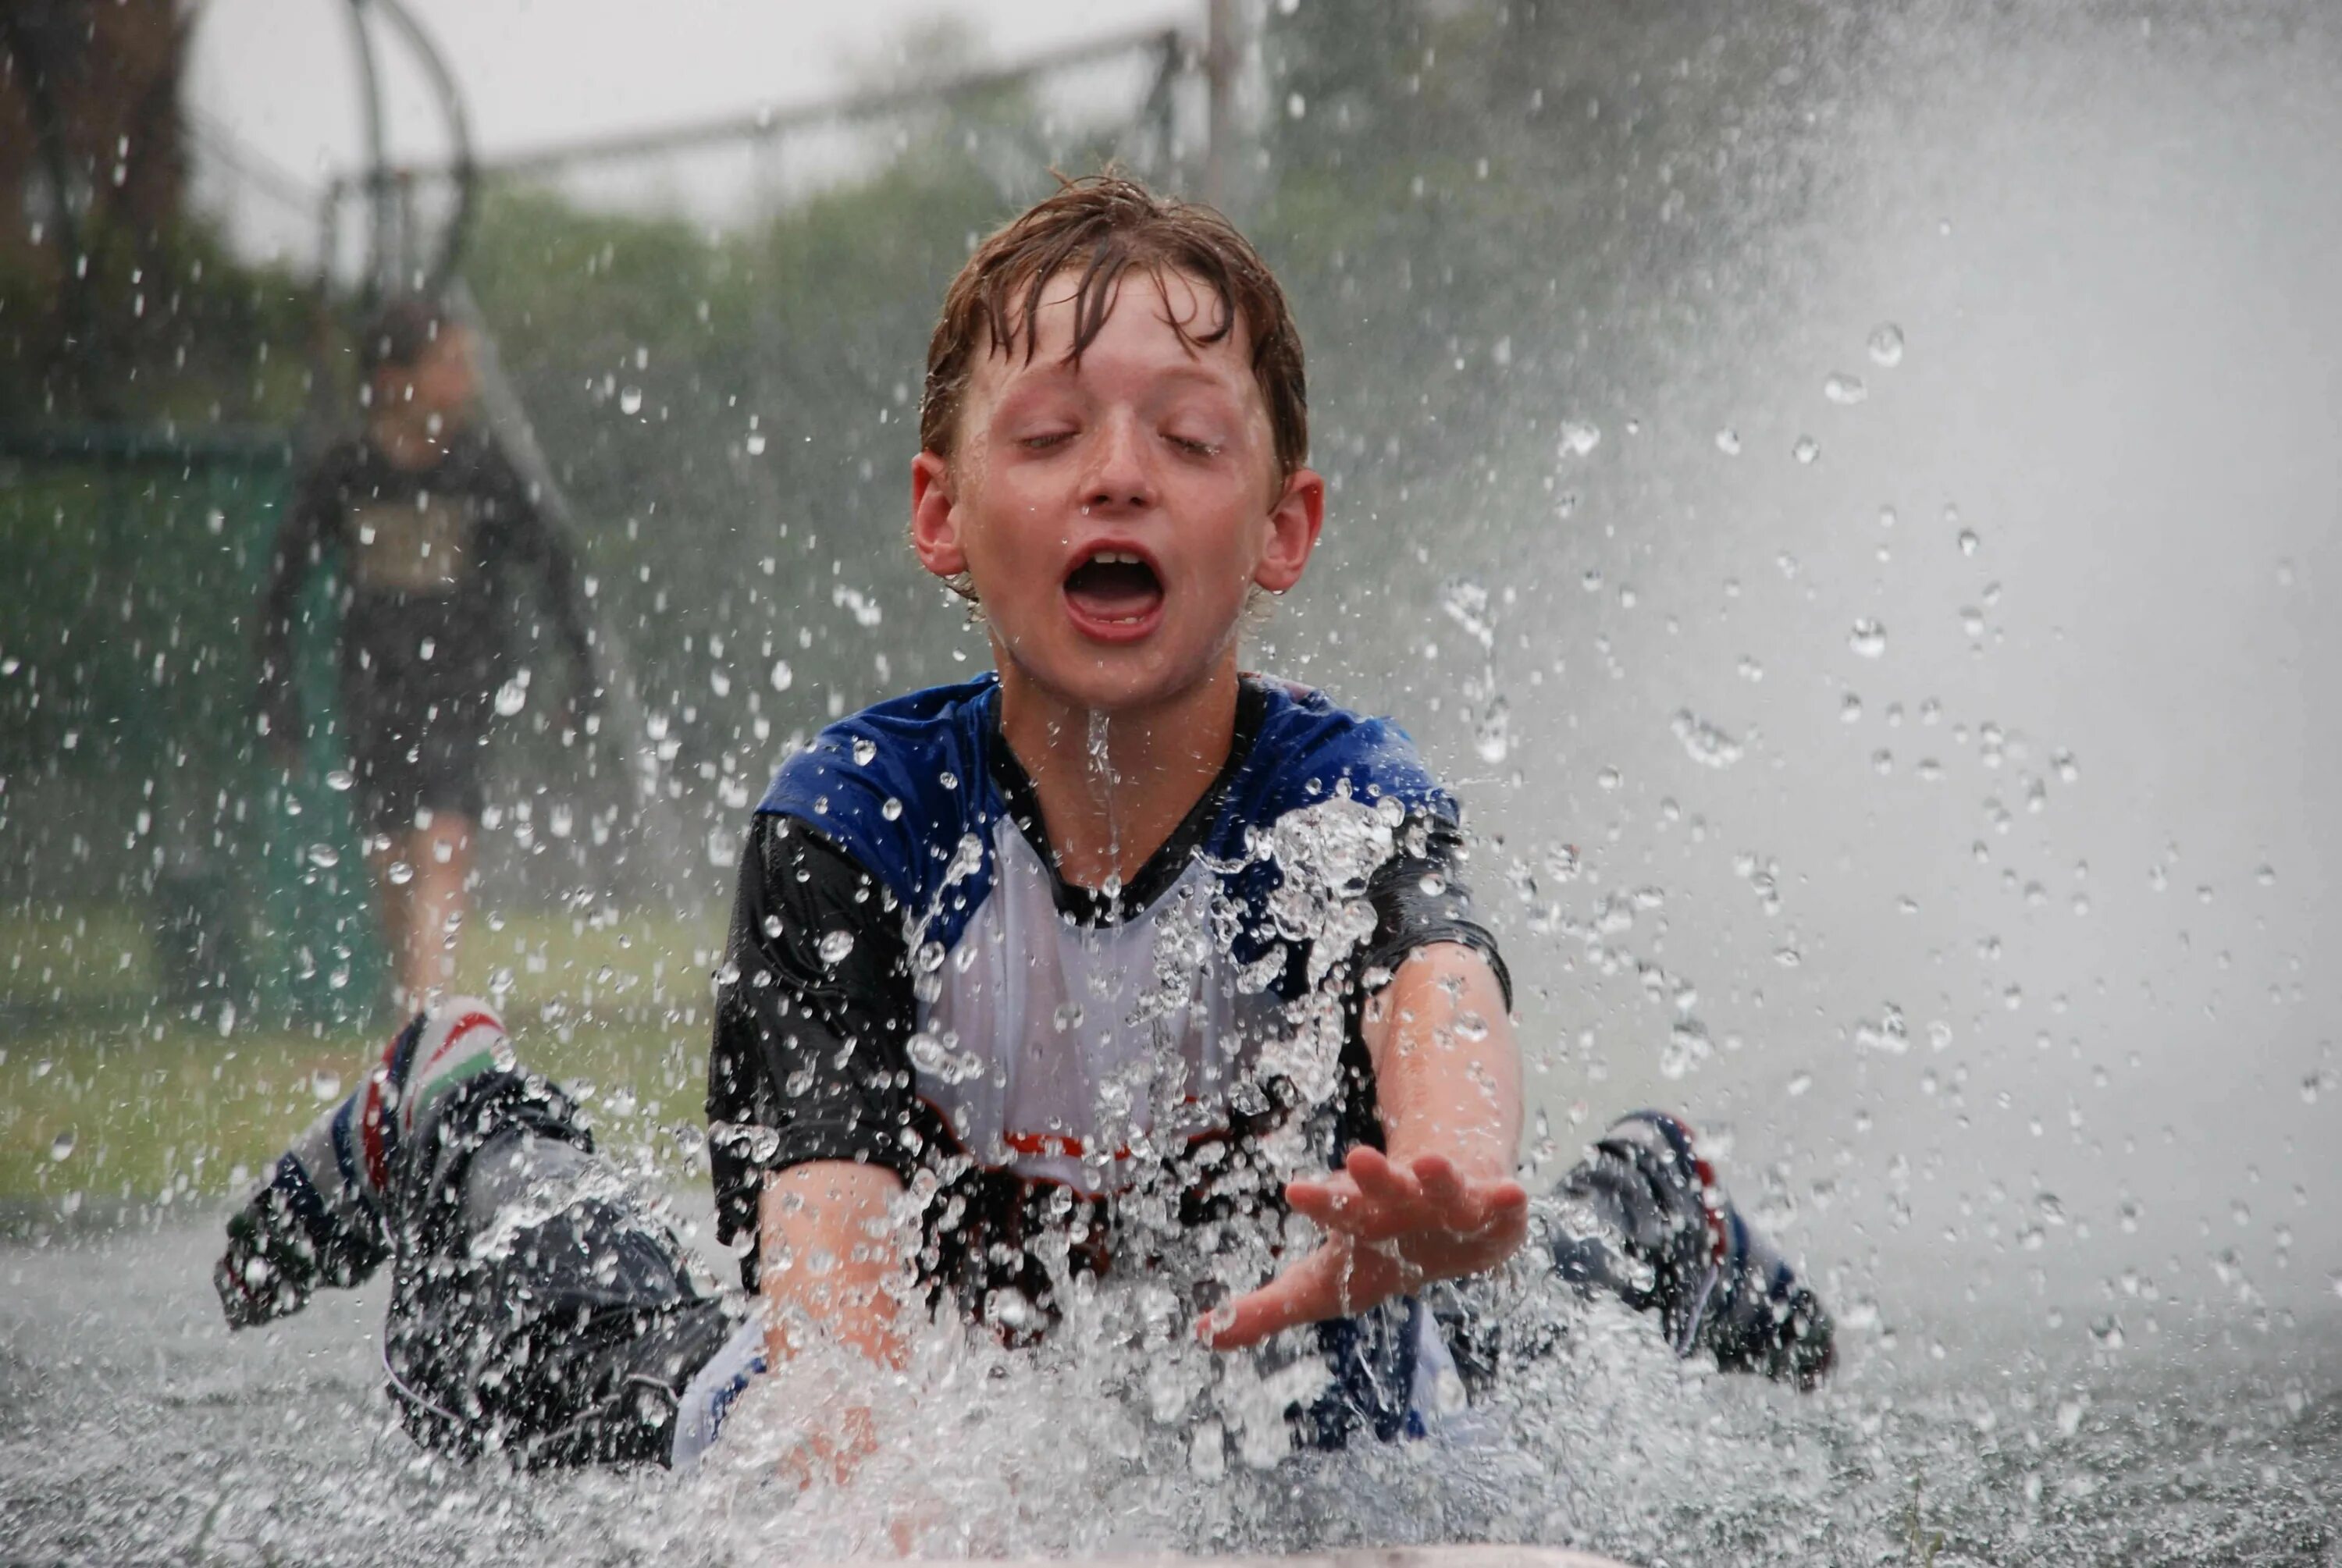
(279, 76)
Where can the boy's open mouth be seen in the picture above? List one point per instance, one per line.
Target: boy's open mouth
(1114, 588)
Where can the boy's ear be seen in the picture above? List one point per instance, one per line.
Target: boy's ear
(935, 522)
(1292, 525)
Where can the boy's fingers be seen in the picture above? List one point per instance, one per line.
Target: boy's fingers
(1335, 1280)
(1336, 1191)
(1383, 1181)
(1337, 1206)
(1445, 1192)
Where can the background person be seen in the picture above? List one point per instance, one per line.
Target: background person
(429, 529)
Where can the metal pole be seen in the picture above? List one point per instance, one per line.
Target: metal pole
(380, 265)
(1219, 80)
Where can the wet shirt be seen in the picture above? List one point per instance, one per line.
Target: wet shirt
(427, 560)
(1062, 1075)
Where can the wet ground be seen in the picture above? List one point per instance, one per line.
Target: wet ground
(134, 1429)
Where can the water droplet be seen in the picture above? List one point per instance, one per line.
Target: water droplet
(1067, 1017)
(630, 400)
(325, 857)
(511, 697)
(325, 1085)
(1608, 778)
(1703, 743)
(835, 946)
(1844, 389)
(1867, 638)
(1968, 542)
(1850, 710)
(341, 781)
(1750, 670)
(1887, 344)
(62, 1147)
(755, 443)
(1800, 1083)
(1591, 581)
(1806, 449)
(865, 749)
(719, 681)
(1579, 438)
(400, 873)
(782, 676)
(1728, 443)
(891, 809)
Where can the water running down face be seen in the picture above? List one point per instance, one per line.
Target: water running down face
(1115, 512)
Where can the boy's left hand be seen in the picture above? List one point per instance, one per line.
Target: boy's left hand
(1395, 1224)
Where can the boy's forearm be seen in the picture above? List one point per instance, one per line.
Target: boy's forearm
(1448, 1070)
(829, 1259)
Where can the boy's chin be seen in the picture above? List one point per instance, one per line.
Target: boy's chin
(1124, 682)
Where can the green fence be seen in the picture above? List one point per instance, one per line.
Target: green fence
(134, 562)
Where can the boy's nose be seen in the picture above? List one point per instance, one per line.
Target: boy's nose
(1122, 477)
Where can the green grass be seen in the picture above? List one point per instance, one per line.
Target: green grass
(105, 1094)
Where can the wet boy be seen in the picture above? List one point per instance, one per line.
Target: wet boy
(1116, 957)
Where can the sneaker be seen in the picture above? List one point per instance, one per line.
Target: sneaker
(1682, 1250)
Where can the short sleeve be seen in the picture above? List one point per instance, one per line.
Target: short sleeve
(1419, 897)
(814, 1014)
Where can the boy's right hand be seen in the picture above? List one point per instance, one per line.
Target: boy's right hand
(1391, 1225)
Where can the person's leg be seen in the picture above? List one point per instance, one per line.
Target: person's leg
(539, 1306)
(1644, 1218)
(386, 857)
(425, 877)
(318, 1217)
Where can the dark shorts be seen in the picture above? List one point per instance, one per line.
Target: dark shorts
(413, 749)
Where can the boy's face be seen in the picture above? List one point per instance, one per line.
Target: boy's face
(440, 381)
(1116, 515)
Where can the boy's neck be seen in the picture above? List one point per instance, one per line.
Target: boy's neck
(1113, 789)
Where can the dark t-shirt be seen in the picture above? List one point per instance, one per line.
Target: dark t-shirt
(1063, 1076)
(427, 562)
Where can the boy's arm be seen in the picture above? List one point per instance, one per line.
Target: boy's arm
(808, 1082)
(825, 1230)
(1439, 1200)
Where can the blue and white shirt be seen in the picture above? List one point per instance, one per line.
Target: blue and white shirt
(911, 982)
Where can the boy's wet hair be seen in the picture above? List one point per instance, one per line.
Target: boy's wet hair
(398, 333)
(1104, 226)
